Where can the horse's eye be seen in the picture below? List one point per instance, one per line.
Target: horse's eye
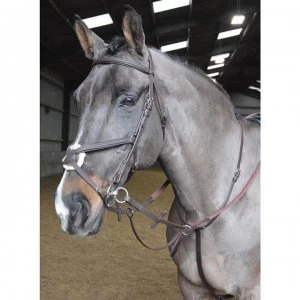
(128, 101)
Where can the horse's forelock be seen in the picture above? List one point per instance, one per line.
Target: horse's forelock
(115, 45)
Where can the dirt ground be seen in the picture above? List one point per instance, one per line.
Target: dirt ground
(111, 264)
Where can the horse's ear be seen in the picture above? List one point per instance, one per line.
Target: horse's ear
(92, 45)
(133, 29)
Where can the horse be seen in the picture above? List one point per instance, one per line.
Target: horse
(192, 131)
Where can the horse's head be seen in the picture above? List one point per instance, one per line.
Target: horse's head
(110, 103)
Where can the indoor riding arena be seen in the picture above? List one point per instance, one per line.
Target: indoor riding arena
(111, 264)
(220, 37)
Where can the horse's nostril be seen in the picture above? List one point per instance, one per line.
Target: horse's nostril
(78, 206)
(80, 213)
(86, 207)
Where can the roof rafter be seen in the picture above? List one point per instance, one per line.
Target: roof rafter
(61, 15)
(154, 23)
(191, 24)
(189, 29)
(223, 49)
(231, 59)
(115, 19)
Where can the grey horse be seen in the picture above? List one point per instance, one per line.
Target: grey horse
(198, 153)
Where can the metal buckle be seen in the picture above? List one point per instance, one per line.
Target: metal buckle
(187, 230)
(236, 175)
(116, 178)
(110, 200)
(161, 216)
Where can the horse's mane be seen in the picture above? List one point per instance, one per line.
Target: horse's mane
(204, 75)
(189, 67)
(118, 43)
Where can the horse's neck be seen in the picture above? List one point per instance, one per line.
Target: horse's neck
(201, 142)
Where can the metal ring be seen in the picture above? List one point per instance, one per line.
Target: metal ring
(116, 192)
(129, 212)
(189, 228)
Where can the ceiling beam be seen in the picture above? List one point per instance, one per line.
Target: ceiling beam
(61, 15)
(223, 49)
(216, 43)
(231, 59)
(73, 53)
(249, 25)
(115, 18)
(163, 30)
(189, 29)
(154, 23)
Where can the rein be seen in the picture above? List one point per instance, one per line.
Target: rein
(110, 195)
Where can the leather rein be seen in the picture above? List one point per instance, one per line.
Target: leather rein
(110, 196)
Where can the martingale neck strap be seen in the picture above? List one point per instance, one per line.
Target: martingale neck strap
(235, 176)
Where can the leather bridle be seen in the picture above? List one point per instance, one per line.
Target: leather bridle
(110, 195)
(69, 161)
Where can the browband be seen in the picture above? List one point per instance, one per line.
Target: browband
(120, 62)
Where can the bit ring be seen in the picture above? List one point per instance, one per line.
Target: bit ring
(116, 192)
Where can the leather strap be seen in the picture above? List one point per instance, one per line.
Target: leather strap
(151, 215)
(239, 196)
(149, 71)
(103, 145)
(185, 231)
(163, 117)
(236, 174)
(157, 193)
(201, 270)
(199, 263)
(172, 241)
(121, 62)
(146, 109)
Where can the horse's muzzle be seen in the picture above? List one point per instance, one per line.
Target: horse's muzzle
(78, 218)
